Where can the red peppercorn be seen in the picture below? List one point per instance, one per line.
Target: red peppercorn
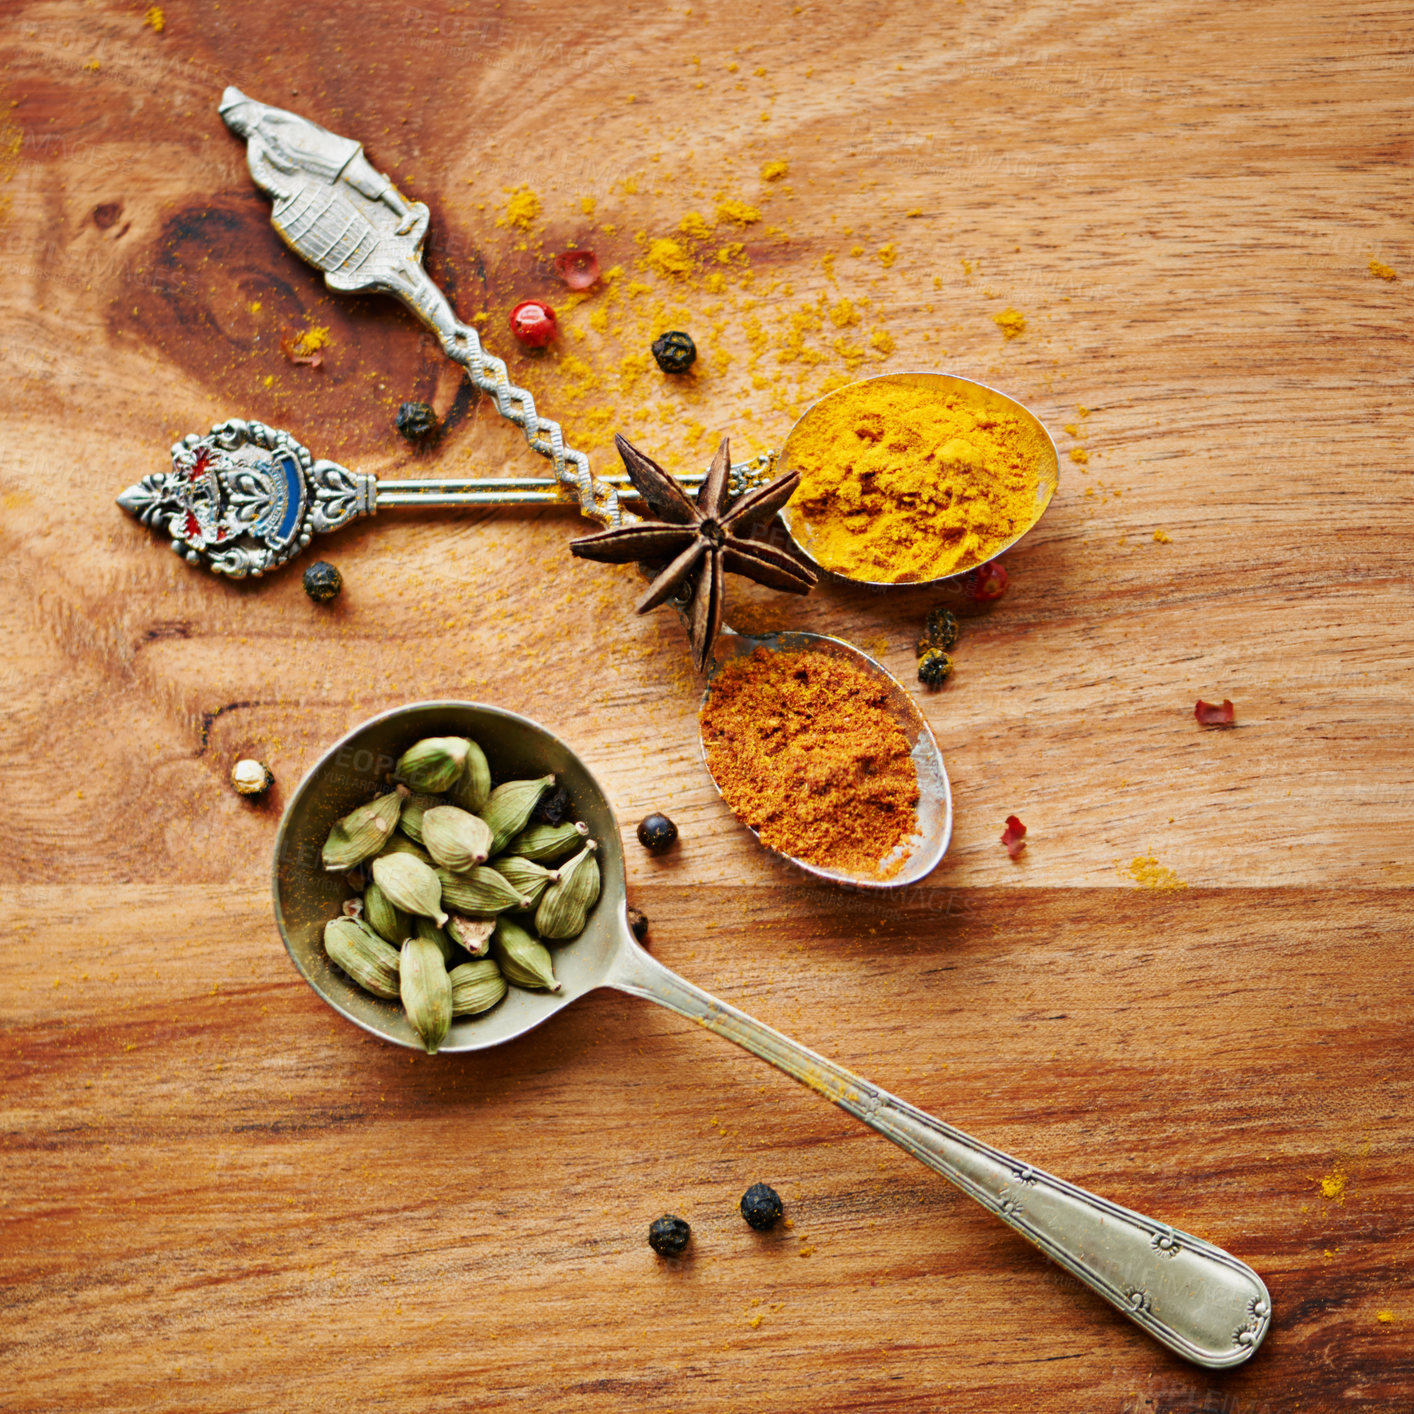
(533, 323)
(579, 269)
(986, 582)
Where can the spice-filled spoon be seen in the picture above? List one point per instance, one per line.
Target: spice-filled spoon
(336, 211)
(915, 478)
(1185, 1292)
(922, 841)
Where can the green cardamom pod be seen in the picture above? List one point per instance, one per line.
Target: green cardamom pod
(472, 788)
(474, 934)
(410, 885)
(507, 809)
(426, 991)
(479, 891)
(545, 844)
(455, 838)
(564, 909)
(384, 917)
(524, 959)
(363, 832)
(432, 764)
(366, 958)
(414, 808)
(426, 928)
(400, 844)
(476, 987)
(525, 875)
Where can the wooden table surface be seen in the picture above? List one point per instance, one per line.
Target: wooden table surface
(217, 1195)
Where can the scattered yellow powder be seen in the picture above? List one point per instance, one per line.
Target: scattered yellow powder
(1385, 1317)
(1071, 430)
(522, 209)
(310, 340)
(254, 306)
(1148, 873)
(737, 212)
(759, 71)
(903, 482)
(1084, 412)
(774, 171)
(887, 255)
(1163, 537)
(269, 380)
(1333, 1185)
(881, 341)
(843, 314)
(1077, 454)
(733, 67)
(1012, 323)
(155, 20)
(667, 257)
(632, 98)
(694, 224)
(1381, 271)
(755, 1321)
(92, 66)
(587, 204)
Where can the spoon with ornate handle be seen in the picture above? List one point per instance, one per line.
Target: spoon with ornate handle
(1192, 1296)
(245, 498)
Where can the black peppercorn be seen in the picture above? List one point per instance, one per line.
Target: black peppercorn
(761, 1206)
(638, 921)
(668, 1235)
(934, 668)
(416, 421)
(941, 631)
(675, 351)
(322, 582)
(657, 833)
(553, 809)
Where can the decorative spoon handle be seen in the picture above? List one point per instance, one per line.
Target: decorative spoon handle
(246, 497)
(1188, 1294)
(335, 210)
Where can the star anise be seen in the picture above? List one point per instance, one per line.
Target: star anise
(700, 541)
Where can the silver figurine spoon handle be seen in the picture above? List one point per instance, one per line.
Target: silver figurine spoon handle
(1188, 1294)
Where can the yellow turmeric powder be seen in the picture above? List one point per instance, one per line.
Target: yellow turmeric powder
(907, 481)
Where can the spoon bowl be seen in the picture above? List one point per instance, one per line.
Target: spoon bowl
(919, 855)
(943, 385)
(355, 769)
(1187, 1293)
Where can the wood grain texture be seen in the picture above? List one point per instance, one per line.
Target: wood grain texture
(216, 1195)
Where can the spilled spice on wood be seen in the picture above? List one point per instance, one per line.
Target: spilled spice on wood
(805, 750)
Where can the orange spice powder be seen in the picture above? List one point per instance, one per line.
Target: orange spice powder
(805, 750)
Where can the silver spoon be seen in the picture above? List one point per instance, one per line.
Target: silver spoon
(335, 211)
(1188, 1294)
(920, 854)
(942, 385)
(245, 498)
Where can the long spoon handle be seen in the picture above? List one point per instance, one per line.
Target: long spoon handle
(1188, 1294)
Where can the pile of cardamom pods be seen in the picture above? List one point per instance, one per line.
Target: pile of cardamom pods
(440, 863)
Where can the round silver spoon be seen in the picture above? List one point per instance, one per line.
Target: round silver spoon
(1188, 1294)
(920, 854)
(943, 385)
